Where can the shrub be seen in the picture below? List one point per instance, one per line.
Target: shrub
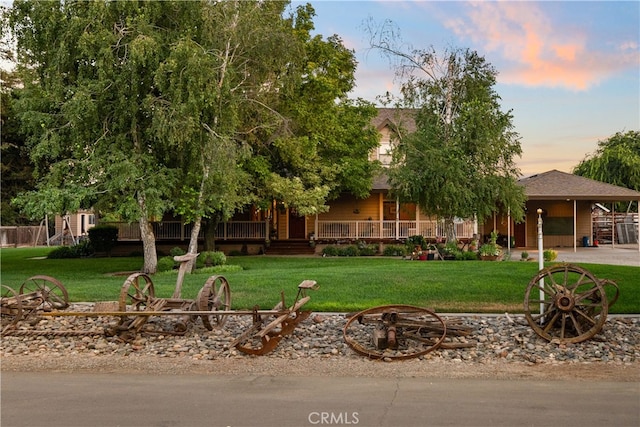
(417, 240)
(330, 250)
(83, 249)
(177, 251)
(469, 255)
(550, 255)
(366, 249)
(166, 263)
(395, 250)
(524, 255)
(210, 259)
(351, 250)
(103, 238)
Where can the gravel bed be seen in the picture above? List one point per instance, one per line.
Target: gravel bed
(495, 340)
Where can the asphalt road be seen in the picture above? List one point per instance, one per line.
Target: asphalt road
(84, 399)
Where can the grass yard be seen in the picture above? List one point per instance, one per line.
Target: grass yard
(346, 284)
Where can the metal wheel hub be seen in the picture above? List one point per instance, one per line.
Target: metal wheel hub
(564, 301)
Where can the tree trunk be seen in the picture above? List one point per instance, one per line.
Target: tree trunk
(210, 234)
(450, 230)
(193, 242)
(148, 246)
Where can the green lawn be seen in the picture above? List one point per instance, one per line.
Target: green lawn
(346, 284)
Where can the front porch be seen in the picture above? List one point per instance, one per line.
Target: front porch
(329, 231)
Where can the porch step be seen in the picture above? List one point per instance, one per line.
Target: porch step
(290, 247)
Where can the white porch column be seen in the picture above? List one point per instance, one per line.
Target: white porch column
(575, 224)
(613, 225)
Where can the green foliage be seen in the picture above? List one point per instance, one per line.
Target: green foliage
(103, 238)
(177, 251)
(211, 258)
(330, 250)
(395, 250)
(82, 249)
(166, 263)
(460, 160)
(413, 241)
(550, 255)
(615, 161)
(361, 248)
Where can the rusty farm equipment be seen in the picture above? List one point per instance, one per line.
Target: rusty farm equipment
(37, 294)
(43, 296)
(398, 332)
(567, 303)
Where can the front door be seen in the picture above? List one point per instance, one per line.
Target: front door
(296, 225)
(520, 234)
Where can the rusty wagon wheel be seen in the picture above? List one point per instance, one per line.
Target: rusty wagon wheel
(574, 304)
(394, 332)
(136, 294)
(11, 307)
(54, 295)
(215, 295)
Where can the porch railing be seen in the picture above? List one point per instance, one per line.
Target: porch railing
(176, 230)
(389, 229)
(325, 230)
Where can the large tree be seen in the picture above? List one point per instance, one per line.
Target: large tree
(615, 161)
(139, 108)
(460, 160)
(89, 80)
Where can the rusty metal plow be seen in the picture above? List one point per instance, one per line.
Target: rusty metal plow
(400, 332)
(264, 334)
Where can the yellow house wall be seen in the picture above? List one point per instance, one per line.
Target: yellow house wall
(551, 208)
(344, 209)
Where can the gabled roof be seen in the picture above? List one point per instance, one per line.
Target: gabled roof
(556, 185)
(395, 117)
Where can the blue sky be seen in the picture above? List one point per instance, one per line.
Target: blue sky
(568, 70)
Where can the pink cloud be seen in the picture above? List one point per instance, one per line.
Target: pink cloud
(537, 51)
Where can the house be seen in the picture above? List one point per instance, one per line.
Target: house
(70, 227)
(567, 202)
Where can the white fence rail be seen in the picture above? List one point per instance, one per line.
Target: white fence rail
(389, 229)
(175, 230)
(330, 230)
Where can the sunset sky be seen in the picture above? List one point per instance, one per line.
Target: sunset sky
(569, 70)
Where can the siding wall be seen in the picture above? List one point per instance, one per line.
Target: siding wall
(552, 209)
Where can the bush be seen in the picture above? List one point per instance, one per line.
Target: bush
(395, 250)
(103, 238)
(417, 240)
(177, 251)
(210, 259)
(351, 250)
(550, 255)
(366, 249)
(83, 249)
(330, 250)
(166, 263)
